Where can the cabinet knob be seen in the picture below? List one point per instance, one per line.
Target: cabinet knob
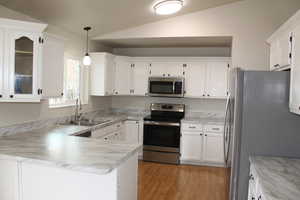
(169, 75)
(0, 95)
(201, 134)
(62, 94)
(208, 95)
(205, 135)
(11, 96)
(203, 95)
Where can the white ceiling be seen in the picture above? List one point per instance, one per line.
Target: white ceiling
(104, 16)
(169, 42)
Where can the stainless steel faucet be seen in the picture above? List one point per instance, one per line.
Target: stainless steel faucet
(78, 108)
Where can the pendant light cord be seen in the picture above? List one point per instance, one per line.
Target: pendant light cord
(87, 41)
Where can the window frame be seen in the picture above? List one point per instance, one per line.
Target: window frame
(83, 86)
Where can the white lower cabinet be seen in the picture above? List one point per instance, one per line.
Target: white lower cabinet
(132, 131)
(213, 148)
(199, 146)
(9, 181)
(191, 146)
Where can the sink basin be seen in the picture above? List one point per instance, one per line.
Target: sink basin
(86, 122)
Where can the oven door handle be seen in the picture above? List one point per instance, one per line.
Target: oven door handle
(161, 123)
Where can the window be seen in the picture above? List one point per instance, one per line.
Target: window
(72, 85)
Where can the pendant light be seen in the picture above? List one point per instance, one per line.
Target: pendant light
(87, 61)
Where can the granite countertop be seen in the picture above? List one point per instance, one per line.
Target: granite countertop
(53, 146)
(279, 178)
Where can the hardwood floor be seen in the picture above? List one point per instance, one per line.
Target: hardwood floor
(181, 182)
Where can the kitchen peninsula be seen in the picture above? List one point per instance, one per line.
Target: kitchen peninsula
(52, 163)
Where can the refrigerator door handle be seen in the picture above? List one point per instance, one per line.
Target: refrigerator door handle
(225, 129)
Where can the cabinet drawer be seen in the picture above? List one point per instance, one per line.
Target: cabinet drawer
(214, 128)
(192, 127)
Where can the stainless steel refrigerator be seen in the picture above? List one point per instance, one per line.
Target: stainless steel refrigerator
(258, 122)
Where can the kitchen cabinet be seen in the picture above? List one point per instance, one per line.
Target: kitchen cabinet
(132, 131)
(24, 54)
(206, 79)
(21, 64)
(191, 146)
(281, 51)
(123, 76)
(52, 66)
(295, 74)
(195, 77)
(140, 76)
(166, 69)
(102, 74)
(213, 148)
(111, 132)
(217, 79)
(9, 183)
(202, 146)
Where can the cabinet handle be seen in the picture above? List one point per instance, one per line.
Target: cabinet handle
(11, 96)
(216, 129)
(0, 95)
(62, 94)
(205, 135)
(259, 198)
(192, 126)
(277, 65)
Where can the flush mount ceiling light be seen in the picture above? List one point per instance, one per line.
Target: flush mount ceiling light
(87, 61)
(168, 7)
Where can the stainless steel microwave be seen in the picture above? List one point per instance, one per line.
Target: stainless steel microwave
(166, 86)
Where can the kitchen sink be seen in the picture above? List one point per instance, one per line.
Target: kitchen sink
(86, 122)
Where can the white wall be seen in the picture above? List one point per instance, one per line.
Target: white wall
(250, 22)
(11, 113)
(199, 51)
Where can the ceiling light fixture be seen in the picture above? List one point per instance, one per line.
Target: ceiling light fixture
(87, 61)
(168, 7)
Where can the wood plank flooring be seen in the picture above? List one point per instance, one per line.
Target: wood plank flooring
(181, 182)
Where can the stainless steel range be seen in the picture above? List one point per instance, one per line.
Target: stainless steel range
(162, 133)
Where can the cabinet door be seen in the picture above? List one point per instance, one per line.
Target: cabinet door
(274, 55)
(102, 74)
(132, 131)
(174, 69)
(123, 72)
(295, 74)
(9, 185)
(195, 75)
(191, 146)
(52, 67)
(1, 63)
(24, 59)
(140, 78)
(284, 43)
(213, 150)
(216, 80)
(158, 69)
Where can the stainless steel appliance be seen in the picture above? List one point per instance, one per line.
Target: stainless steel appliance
(162, 133)
(166, 86)
(258, 122)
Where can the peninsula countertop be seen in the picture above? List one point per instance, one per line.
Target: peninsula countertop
(54, 146)
(279, 178)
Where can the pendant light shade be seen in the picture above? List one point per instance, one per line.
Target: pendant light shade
(87, 61)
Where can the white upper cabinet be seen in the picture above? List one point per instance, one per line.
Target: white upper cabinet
(195, 77)
(217, 79)
(140, 78)
(123, 76)
(21, 60)
(295, 74)
(102, 74)
(166, 69)
(24, 55)
(1, 63)
(52, 66)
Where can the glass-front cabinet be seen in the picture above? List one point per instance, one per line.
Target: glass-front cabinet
(24, 61)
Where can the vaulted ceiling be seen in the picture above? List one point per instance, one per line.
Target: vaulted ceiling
(104, 16)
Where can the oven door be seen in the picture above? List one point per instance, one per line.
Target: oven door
(161, 136)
